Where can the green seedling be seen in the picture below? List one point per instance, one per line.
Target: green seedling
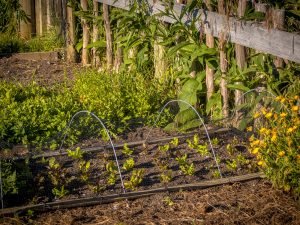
(60, 192)
(129, 164)
(166, 176)
(126, 150)
(231, 165)
(175, 142)
(135, 179)
(215, 141)
(164, 148)
(76, 154)
(112, 170)
(202, 150)
(230, 149)
(216, 174)
(168, 201)
(242, 160)
(185, 167)
(84, 167)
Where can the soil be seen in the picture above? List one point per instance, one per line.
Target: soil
(254, 202)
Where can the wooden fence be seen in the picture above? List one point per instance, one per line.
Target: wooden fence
(253, 35)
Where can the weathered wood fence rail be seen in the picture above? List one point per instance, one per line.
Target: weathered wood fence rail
(275, 42)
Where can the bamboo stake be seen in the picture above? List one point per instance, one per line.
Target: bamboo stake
(85, 35)
(109, 50)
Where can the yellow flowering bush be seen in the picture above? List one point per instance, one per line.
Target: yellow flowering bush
(276, 144)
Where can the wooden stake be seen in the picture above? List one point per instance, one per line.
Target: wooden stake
(109, 50)
(85, 35)
(240, 57)
(96, 36)
(278, 16)
(160, 64)
(25, 26)
(209, 71)
(223, 66)
(70, 34)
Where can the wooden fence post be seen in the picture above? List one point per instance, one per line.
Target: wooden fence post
(223, 65)
(240, 57)
(209, 71)
(25, 26)
(85, 34)
(70, 35)
(96, 36)
(109, 50)
(278, 16)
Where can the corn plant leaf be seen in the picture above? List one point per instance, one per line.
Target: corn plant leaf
(238, 87)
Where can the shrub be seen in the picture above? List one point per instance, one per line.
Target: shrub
(277, 146)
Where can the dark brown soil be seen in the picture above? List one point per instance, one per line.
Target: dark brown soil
(42, 72)
(254, 202)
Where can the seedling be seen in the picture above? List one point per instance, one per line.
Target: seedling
(60, 192)
(76, 154)
(175, 142)
(185, 167)
(202, 150)
(135, 179)
(168, 201)
(216, 174)
(126, 150)
(166, 176)
(231, 164)
(164, 148)
(129, 164)
(215, 141)
(230, 149)
(112, 170)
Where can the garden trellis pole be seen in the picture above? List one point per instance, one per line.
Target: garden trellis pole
(96, 34)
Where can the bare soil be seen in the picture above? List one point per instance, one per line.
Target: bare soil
(254, 202)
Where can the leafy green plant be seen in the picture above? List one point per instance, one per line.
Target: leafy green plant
(202, 150)
(231, 164)
(112, 170)
(129, 164)
(135, 180)
(126, 150)
(185, 167)
(58, 178)
(175, 142)
(166, 176)
(164, 148)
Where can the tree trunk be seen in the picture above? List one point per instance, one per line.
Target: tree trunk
(209, 71)
(278, 16)
(70, 34)
(25, 27)
(85, 35)
(240, 56)
(109, 50)
(223, 66)
(49, 16)
(96, 36)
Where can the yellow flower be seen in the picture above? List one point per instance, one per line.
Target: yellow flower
(256, 115)
(254, 143)
(260, 163)
(249, 128)
(295, 108)
(255, 151)
(274, 138)
(269, 115)
(282, 115)
(281, 153)
(264, 111)
(262, 130)
(278, 98)
(282, 100)
(290, 130)
(296, 97)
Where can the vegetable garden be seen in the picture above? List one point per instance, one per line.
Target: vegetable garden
(166, 101)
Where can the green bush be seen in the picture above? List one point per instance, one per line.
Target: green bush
(10, 43)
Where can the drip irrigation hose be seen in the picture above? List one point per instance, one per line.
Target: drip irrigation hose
(89, 201)
(107, 133)
(1, 187)
(200, 118)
